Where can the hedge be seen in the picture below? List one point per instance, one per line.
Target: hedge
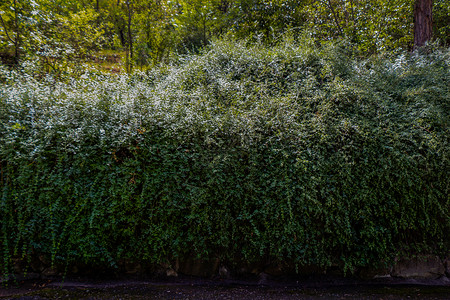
(294, 153)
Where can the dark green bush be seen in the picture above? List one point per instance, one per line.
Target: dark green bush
(294, 153)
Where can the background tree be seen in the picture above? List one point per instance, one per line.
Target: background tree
(372, 25)
(265, 19)
(155, 35)
(441, 21)
(13, 16)
(146, 32)
(196, 21)
(60, 34)
(423, 22)
(65, 36)
(129, 51)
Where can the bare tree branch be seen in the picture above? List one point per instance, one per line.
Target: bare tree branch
(330, 6)
(6, 31)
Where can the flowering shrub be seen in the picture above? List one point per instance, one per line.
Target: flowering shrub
(294, 153)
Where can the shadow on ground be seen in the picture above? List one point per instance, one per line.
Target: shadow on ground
(248, 288)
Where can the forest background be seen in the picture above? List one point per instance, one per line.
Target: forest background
(142, 33)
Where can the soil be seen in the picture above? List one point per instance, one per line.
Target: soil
(247, 288)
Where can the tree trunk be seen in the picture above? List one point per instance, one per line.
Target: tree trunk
(423, 22)
(336, 20)
(130, 37)
(17, 41)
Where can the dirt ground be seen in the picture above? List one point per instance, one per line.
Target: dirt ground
(248, 288)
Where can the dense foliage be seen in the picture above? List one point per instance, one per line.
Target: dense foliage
(147, 32)
(294, 153)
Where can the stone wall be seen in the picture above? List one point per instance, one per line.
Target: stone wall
(419, 267)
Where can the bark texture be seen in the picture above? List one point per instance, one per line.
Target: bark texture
(423, 22)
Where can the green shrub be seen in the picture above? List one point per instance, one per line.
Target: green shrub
(293, 153)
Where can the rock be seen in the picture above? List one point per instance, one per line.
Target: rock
(250, 268)
(39, 263)
(280, 269)
(36, 265)
(335, 270)
(132, 268)
(18, 265)
(308, 270)
(274, 270)
(426, 267)
(167, 269)
(200, 268)
(19, 277)
(263, 278)
(45, 260)
(385, 276)
(444, 280)
(50, 271)
(75, 270)
(224, 272)
(171, 273)
(447, 266)
(374, 273)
